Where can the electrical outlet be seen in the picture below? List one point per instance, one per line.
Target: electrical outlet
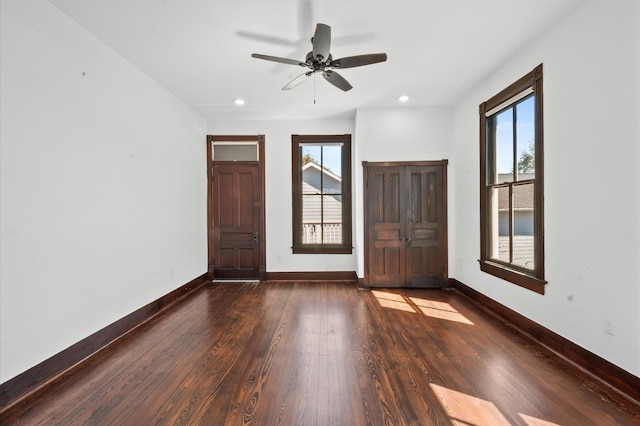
(608, 325)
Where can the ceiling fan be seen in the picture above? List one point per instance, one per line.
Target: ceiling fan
(319, 60)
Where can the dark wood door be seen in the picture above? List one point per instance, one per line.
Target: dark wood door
(425, 227)
(406, 222)
(236, 220)
(386, 226)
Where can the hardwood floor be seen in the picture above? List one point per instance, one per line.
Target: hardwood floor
(323, 353)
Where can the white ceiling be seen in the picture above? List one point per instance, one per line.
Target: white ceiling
(201, 50)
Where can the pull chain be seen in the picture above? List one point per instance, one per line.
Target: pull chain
(314, 88)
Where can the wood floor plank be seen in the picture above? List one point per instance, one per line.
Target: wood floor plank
(323, 353)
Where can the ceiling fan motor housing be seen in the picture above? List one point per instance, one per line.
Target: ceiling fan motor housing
(315, 64)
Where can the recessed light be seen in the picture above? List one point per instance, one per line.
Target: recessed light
(238, 101)
(403, 98)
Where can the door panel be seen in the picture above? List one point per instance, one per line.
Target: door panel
(406, 225)
(386, 227)
(236, 191)
(424, 226)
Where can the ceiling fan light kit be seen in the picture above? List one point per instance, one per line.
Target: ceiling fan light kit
(320, 61)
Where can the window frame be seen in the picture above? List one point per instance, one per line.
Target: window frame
(296, 162)
(532, 279)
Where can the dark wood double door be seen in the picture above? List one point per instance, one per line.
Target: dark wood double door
(406, 224)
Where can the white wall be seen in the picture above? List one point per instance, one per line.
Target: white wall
(396, 134)
(278, 188)
(592, 201)
(103, 187)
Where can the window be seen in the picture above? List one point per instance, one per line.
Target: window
(235, 151)
(321, 193)
(511, 184)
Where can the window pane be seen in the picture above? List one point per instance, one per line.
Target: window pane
(311, 179)
(238, 152)
(311, 219)
(331, 184)
(525, 133)
(504, 145)
(523, 225)
(500, 231)
(332, 166)
(322, 189)
(332, 159)
(332, 226)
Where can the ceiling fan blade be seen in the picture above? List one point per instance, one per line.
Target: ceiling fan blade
(299, 79)
(322, 42)
(277, 59)
(358, 61)
(337, 80)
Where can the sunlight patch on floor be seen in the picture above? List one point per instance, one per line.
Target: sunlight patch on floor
(465, 409)
(429, 308)
(393, 301)
(441, 310)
